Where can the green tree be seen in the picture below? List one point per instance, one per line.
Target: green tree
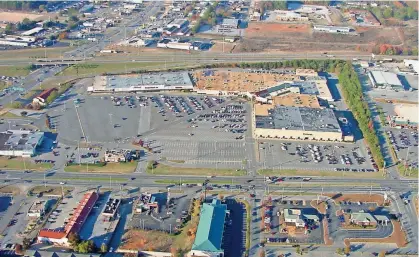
(388, 13)
(52, 96)
(41, 7)
(103, 248)
(10, 28)
(347, 249)
(339, 251)
(26, 243)
(382, 254)
(85, 247)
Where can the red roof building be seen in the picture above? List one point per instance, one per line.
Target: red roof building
(42, 97)
(75, 223)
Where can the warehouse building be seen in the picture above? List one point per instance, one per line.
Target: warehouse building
(332, 29)
(290, 16)
(209, 235)
(384, 80)
(299, 123)
(150, 82)
(228, 25)
(21, 143)
(406, 116)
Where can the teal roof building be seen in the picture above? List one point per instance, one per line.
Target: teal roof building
(209, 235)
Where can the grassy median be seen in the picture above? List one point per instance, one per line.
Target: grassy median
(161, 169)
(319, 173)
(19, 163)
(121, 167)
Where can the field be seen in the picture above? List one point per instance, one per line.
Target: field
(10, 190)
(15, 71)
(14, 17)
(270, 37)
(161, 169)
(20, 164)
(51, 190)
(36, 53)
(122, 167)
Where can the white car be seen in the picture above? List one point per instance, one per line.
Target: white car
(62, 183)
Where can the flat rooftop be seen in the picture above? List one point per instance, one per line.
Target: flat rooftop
(299, 118)
(292, 99)
(149, 79)
(386, 78)
(20, 140)
(240, 81)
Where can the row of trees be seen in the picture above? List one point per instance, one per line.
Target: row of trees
(84, 246)
(23, 5)
(352, 91)
(401, 13)
(26, 24)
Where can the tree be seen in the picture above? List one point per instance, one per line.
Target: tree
(17, 105)
(26, 243)
(339, 251)
(262, 253)
(18, 249)
(382, 253)
(103, 248)
(298, 250)
(85, 247)
(347, 249)
(52, 96)
(73, 18)
(9, 29)
(73, 238)
(41, 7)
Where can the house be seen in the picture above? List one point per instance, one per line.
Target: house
(209, 236)
(41, 99)
(363, 219)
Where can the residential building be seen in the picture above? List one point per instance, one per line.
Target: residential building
(41, 99)
(363, 219)
(209, 235)
(21, 143)
(74, 225)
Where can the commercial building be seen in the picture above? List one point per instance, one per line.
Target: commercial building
(21, 143)
(147, 203)
(289, 16)
(290, 99)
(111, 208)
(228, 25)
(37, 209)
(22, 41)
(297, 218)
(299, 123)
(33, 31)
(209, 235)
(363, 219)
(174, 43)
(116, 155)
(385, 80)
(150, 82)
(41, 99)
(332, 29)
(178, 23)
(406, 116)
(74, 225)
(414, 64)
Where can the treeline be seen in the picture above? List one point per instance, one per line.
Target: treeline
(352, 91)
(403, 13)
(26, 24)
(274, 5)
(22, 5)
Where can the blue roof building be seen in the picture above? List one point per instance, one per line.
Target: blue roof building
(209, 235)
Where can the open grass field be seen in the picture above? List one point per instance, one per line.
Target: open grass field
(365, 198)
(14, 71)
(34, 53)
(9, 189)
(408, 173)
(295, 172)
(51, 190)
(123, 167)
(100, 68)
(162, 169)
(19, 16)
(20, 164)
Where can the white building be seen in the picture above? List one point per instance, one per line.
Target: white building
(37, 209)
(414, 64)
(296, 217)
(20, 142)
(33, 31)
(384, 79)
(332, 29)
(289, 16)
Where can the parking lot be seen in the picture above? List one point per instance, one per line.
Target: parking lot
(405, 144)
(315, 156)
